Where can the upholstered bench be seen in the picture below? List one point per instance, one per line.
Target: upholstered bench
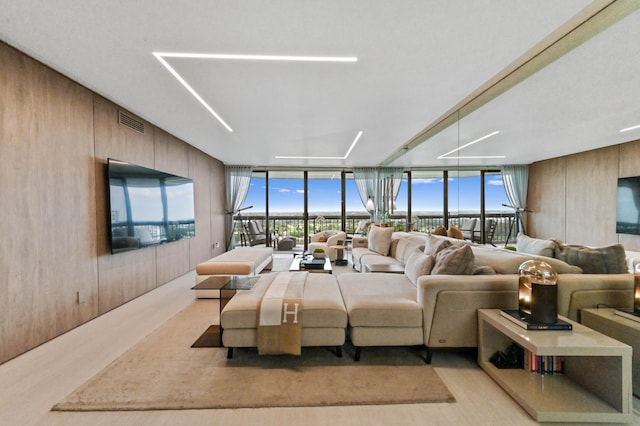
(324, 317)
(383, 310)
(239, 261)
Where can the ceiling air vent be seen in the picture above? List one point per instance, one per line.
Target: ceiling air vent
(133, 123)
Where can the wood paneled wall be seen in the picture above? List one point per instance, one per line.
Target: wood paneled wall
(55, 138)
(573, 198)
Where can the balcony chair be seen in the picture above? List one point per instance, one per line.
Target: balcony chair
(467, 227)
(489, 229)
(255, 233)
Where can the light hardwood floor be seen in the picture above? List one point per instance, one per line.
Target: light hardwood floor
(32, 383)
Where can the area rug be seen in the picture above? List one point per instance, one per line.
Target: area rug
(163, 372)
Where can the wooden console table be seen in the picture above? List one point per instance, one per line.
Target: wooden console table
(595, 385)
(620, 328)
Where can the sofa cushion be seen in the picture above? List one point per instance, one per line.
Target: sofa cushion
(601, 260)
(454, 260)
(380, 300)
(401, 249)
(417, 265)
(434, 245)
(380, 239)
(526, 244)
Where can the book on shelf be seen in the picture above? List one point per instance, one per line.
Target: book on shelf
(543, 364)
(524, 320)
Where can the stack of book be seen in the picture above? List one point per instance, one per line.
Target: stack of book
(524, 320)
(543, 364)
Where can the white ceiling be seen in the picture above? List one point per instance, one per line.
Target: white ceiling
(416, 60)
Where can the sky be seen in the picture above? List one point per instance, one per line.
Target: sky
(287, 195)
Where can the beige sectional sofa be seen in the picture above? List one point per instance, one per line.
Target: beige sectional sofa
(383, 307)
(433, 303)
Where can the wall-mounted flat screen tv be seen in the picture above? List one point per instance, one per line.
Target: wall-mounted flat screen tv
(148, 207)
(628, 206)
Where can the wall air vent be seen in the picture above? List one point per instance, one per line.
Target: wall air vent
(133, 123)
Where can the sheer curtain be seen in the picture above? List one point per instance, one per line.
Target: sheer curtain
(237, 179)
(366, 179)
(390, 181)
(516, 182)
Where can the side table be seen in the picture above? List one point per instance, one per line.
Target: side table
(227, 286)
(620, 328)
(595, 385)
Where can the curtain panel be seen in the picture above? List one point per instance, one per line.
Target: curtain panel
(237, 180)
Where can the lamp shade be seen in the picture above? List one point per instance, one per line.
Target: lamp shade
(539, 280)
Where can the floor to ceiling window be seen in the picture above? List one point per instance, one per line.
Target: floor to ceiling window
(427, 200)
(286, 204)
(277, 200)
(324, 200)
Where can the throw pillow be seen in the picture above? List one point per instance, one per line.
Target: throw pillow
(603, 260)
(440, 230)
(591, 261)
(434, 245)
(417, 265)
(380, 239)
(321, 238)
(454, 260)
(538, 247)
(454, 232)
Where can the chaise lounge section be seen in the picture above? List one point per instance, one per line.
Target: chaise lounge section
(239, 261)
(324, 317)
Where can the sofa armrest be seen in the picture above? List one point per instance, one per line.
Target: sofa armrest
(360, 242)
(450, 303)
(580, 291)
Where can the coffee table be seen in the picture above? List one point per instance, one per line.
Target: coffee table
(296, 265)
(226, 286)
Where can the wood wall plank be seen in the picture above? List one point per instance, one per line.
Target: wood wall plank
(47, 184)
(591, 197)
(546, 199)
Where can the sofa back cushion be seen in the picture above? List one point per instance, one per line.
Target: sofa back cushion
(435, 244)
(456, 259)
(401, 249)
(538, 247)
(380, 239)
(417, 265)
(602, 260)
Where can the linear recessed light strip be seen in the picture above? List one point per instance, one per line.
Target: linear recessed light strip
(195, 94)
(446, 156)
(162, 55)
(258, 57)
(353, 144)
(630, 128)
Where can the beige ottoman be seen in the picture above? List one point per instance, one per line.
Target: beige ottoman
(383, 310)
(324, 317)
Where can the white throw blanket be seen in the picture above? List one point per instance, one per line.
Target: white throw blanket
(280, 317)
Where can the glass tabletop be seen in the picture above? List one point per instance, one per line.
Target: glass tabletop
(227, 282)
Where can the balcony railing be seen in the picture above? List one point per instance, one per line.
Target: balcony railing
(293, 225)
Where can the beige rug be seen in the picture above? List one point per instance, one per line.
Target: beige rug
(163, 372)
